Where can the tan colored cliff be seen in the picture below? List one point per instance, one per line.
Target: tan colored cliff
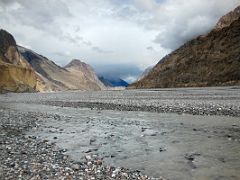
(16, 75)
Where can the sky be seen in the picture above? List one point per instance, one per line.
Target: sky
(117, 37)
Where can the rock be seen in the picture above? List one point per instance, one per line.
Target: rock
(191, 156)
(92, 141)
(98, 162)
(154, 134)
(76, 167)
(88, 157)
(88, 151)
(162, 149)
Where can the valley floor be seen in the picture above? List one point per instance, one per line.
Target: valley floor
(191, 133)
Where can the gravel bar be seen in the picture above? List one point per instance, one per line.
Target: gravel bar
(224, 101)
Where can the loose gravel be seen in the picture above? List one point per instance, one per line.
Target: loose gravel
(29, 157)
(224, 101)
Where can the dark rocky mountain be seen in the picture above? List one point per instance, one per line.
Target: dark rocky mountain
(113, 82)
(210, 60)
(16, 75)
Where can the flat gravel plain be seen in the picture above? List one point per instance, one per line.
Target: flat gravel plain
(29, 148)
(197, 101)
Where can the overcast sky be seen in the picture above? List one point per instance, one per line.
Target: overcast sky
(128, 35)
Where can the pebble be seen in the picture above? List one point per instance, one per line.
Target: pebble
(75, 166)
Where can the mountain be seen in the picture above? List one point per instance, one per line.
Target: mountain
(16, 75)
(49, 72)
(86, 74)
(226, 20)
(210, 60)
(145, 73)
(113, 82)
(75, 76)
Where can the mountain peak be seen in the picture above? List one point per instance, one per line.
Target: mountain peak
(227, 19)
(6, 40)
(75, 63)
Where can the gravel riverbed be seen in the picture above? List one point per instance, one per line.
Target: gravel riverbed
(34, 129)
(30, 157)
(223, 101)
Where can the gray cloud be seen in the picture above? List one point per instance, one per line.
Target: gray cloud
(134, 33)
(123, 71)
(38, 14)
(150, 48)
(181, 22)
(176, 21)
(100, 50)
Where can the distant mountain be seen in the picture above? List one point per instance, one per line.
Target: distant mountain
(16, 75)
(113, 82)
(75, 76)
(210, 60)
(86, 73)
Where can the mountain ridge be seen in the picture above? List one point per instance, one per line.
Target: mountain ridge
(74, 76)
(208, 60)
(23, 70)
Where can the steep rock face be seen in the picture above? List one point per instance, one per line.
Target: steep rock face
(16, 75)
(75, 76)
(211, 60)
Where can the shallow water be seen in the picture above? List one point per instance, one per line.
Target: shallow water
(168, 145)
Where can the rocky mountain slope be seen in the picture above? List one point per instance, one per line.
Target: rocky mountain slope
(75, 76)
(145, 73)
(86, 75)
(15, 72)
(226, 20)
(210, 60)
(23, 70)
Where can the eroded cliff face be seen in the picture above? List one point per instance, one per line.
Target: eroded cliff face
(210, 60)
(16, 75)
(17, 79)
